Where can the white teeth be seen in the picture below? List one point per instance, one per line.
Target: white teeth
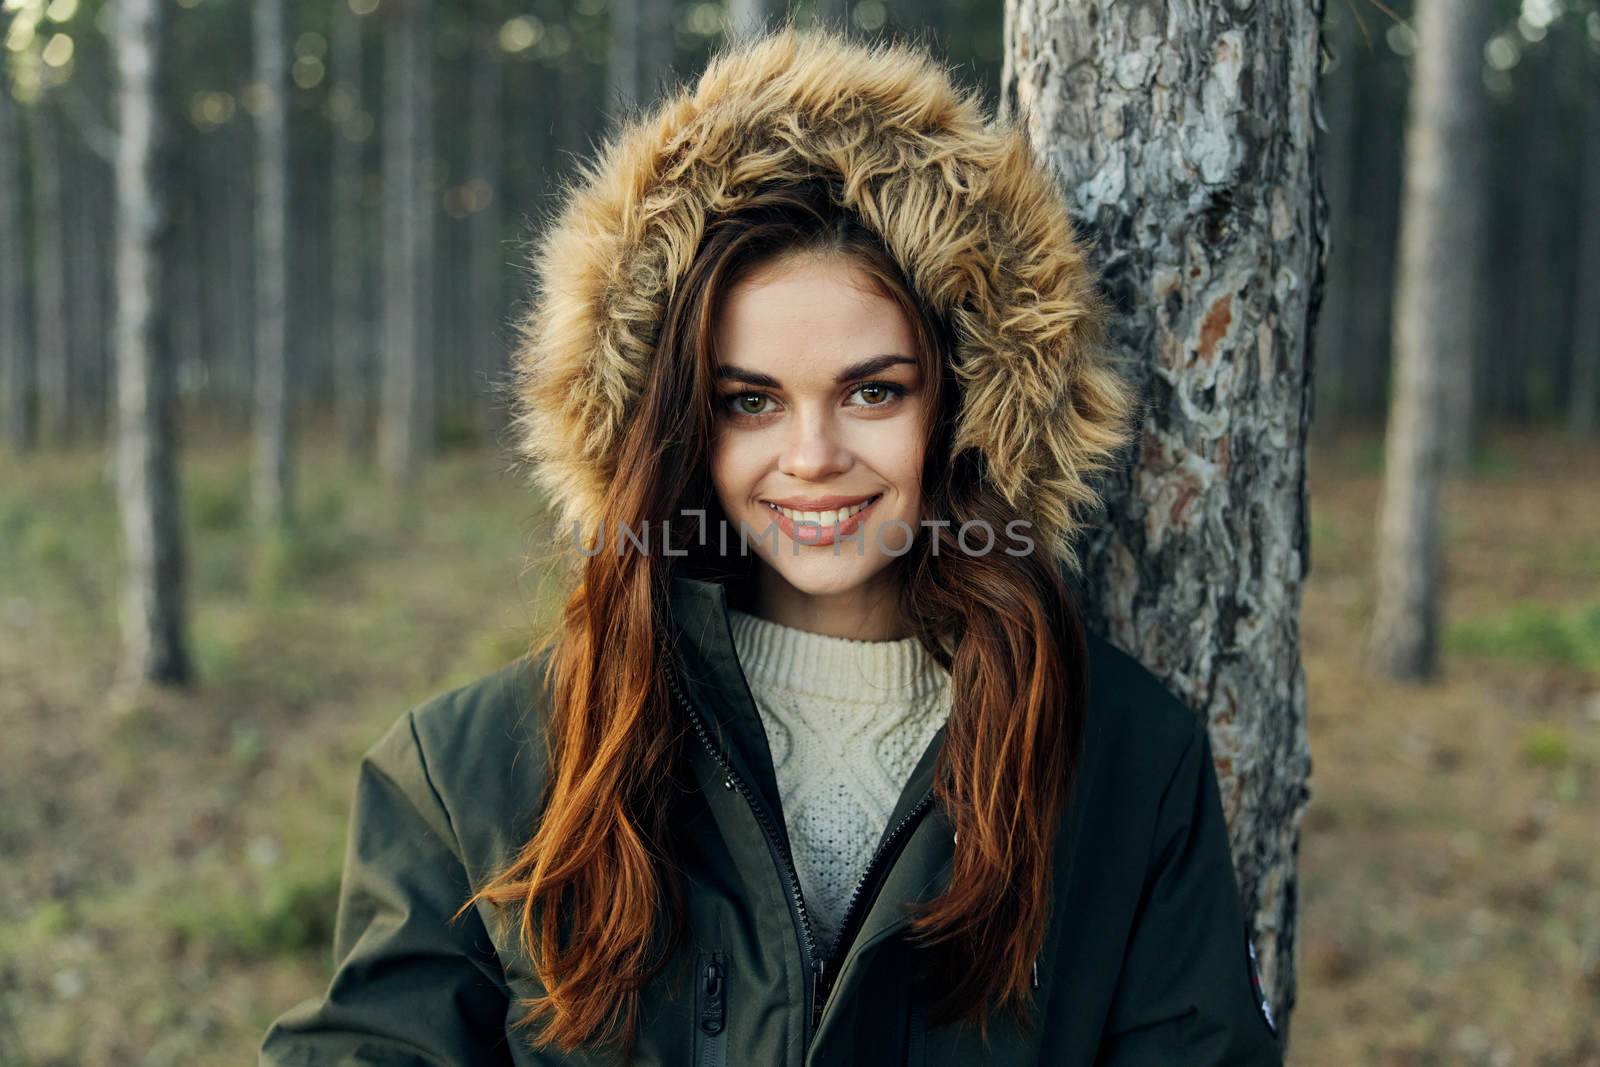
(822, 518)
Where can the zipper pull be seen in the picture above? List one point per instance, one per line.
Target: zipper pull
(1036, 972)
(712, 1012)
(818, 993)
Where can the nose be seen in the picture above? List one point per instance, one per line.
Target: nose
(813, 450)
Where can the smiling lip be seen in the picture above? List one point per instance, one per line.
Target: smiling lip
(810, 534)
(819, 503)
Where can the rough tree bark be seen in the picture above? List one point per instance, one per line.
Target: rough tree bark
(1439, 248)
(155, 642)
(271, 492)
(1184, 136)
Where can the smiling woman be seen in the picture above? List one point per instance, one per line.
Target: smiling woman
(822, 802)
(830, 447)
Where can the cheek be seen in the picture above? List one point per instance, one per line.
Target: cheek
(733, 467)
(895, 450)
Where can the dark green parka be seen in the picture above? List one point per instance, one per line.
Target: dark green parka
(1145, 960)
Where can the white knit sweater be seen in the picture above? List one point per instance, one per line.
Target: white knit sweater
(846, 722)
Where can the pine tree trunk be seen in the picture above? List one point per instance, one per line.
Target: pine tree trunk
(352, 356)
(407, 419)
(91, 222)
(747, 17)
(1186, 144)
(154, 627)
(657, 47)
(16, 348)
(1584, 398)
(52, 354)
(626, 62)
(271, 491)
(1433, 330)
(485, 256)
(1341, 111)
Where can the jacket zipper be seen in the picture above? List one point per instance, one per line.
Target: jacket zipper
(713, 1013)
(797, 906)
(848, 922)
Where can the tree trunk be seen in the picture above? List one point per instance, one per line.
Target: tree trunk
(407, 423)
(52, 355)
(1439, 246)
(352, 356)
(1469, 150)
(835, 13)
(626, 61)
(1584, 398)
(1186, 142)
(271, 492)
(16, 350)
(1339, 143)
(658, 47)
(241, 279)
(747, 17)
(154, 627)
(487, 187)
(91, 223)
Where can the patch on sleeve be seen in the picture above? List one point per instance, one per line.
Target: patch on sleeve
(1262, 1001)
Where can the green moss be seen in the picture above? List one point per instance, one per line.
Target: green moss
(1567, 636)
(1547, 746)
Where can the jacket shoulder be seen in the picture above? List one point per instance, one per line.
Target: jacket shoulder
(1130, 707)
(483, 750)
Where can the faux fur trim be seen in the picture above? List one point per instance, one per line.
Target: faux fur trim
(977, 224)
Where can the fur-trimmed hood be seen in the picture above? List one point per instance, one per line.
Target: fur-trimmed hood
(976, 223)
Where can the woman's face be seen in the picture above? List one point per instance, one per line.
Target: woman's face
(820, 409)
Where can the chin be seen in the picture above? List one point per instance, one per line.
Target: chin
(826, 576)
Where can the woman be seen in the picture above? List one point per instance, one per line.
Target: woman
(821, 766)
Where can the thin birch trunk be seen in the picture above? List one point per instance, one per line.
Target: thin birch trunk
(155, 642)
(1433, 331)
(1185, 140)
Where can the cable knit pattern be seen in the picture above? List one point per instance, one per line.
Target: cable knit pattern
(846, 722)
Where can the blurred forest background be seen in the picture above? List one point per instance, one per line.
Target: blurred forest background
(350, 185)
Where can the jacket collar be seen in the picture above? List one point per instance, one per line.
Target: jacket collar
(702, 641)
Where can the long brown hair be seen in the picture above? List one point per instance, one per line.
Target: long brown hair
(595, 890)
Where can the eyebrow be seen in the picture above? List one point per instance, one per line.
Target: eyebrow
(861, 369)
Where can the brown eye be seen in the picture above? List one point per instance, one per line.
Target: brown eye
(878, 394)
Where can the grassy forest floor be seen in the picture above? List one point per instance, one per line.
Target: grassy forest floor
(170, 865)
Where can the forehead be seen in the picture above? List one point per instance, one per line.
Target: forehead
(804, 316)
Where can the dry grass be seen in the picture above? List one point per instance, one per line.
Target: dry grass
(170, 863)
(1451, 853)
